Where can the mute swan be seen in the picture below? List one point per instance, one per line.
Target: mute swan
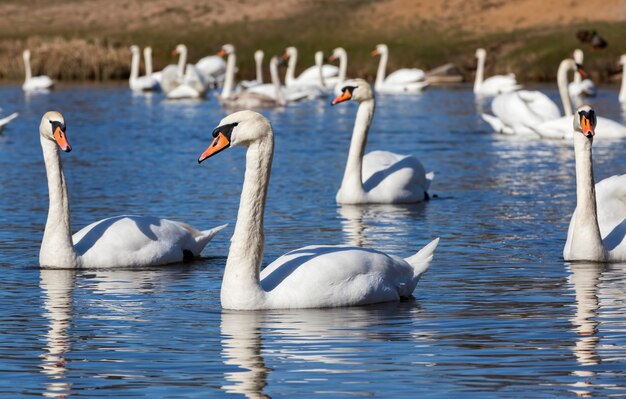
(342, 55)
(622, 91)
(277, 92)
(598, 227)
(122, 241)
(580, 87)
(183, 80)
(34, 83)
(493, 85)
(258, 62)
(401, 81)
(380, 177)
(308, 77)
(212, 68)
(6, 120)
(316, 276)
(255, 97)
(136, 82)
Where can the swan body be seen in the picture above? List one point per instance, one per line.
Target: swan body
(622, 91)
(123, 241)
(581, 87)
(597, 230)
(493, 85)
(311, 277)
(6, 120)
(212, 69)
(380, 176)
(184, 80)
(136, 82)
(34, 83)
(401, 81)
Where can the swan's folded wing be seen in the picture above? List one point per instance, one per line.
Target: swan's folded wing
(611, 201)
(406, 75)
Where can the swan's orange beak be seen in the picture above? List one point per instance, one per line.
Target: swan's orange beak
(587, 126)
(221, 53)
(345, 96)
(375, 53)
(581, 71)
(285, 56)
(174, 52)
(331, 58)
(61, 139)
(220, 142)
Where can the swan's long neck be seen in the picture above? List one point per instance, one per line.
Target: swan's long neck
(480, 73)
(382, 68)
(561, 80)
(134, 66)
(352, 178)
(27, 71)
(57, 249)
(259, 67)
(319, 62)
(586, 239)
(579, 58)
(343, 66)
(622, 91)
(241, 288)
(182, 61)
(280, 97)
(229, 80)
(147, 56)
(291, 69)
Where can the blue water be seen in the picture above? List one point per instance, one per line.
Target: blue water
(499, 314)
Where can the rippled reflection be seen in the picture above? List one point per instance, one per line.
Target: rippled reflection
(57, 287)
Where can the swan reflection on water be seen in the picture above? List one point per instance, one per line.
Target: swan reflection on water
(320, 341)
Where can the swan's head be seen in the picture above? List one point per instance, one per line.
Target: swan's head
(336, 54)
(258, 55)
(134, 49)
(319, 57)
(226, 50)
(579, 56)
(26, 54)
(480, 53)
(147, 50)
(380, 49)
(290, 52)
(181, 48)
(238, 129)
(570, 65)
(585, 121)
(52, 127)
(354, 89)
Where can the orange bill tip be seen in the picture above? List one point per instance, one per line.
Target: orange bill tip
(220, 142)
(221, 53)
(345, 96)
(61, 139)
(375, 53)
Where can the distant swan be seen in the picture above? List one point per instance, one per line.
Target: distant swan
(308, 77)
(318, 276)
(401, 81)
(183, 80)
(597, 231)
(34, 83)
(380, 177)
(581, 87)
(122, 241)
(340, 54)
(136, 82)
(493, 85)
(6, 120)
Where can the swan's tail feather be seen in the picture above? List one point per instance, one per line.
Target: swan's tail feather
(430, 176)
(421, 260)
(207, 235)
(8, 119)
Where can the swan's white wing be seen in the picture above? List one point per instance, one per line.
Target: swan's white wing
(517, 111)
(405, 75)
(560, 128)
(496, 124)
(611, 205)
(539, 104)
(38, 83)
(6, 120)
(584, 88)
(393, 178)
(609, 129)
(499, 84)
(401, 88)
(127, 241)
(331, 276)
(311, 75)
(211, 67)
(194, 79)
(169, 78)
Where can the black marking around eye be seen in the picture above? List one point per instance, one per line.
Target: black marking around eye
(591, 115)
(349, 88)
(57, 124)
(226, 130)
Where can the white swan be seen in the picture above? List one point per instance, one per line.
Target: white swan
(147, 56)
(381, 177)
(212, 68)
(183, 80)
(256, 97)
(493, 85)
(401, 81)
(136, 82)
(622, 91)
(308, 77)
(122, 241)
(310, 277)
(597, 231)
(6, 120)
(340, 54)
(259, 55)
(278, 93)
(34, 83)
(581, 87)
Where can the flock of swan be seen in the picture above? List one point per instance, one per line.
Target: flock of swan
(324, 275)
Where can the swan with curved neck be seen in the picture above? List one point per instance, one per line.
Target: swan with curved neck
(493, 85)
(597, 231)
(308, 77)
(136, 82)
(265, 95)
(183, 80)
(580, 87)
(34, 83)
(123, 241)
(401, 81)
(310, 277)
(341, 54)
(381, 177)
